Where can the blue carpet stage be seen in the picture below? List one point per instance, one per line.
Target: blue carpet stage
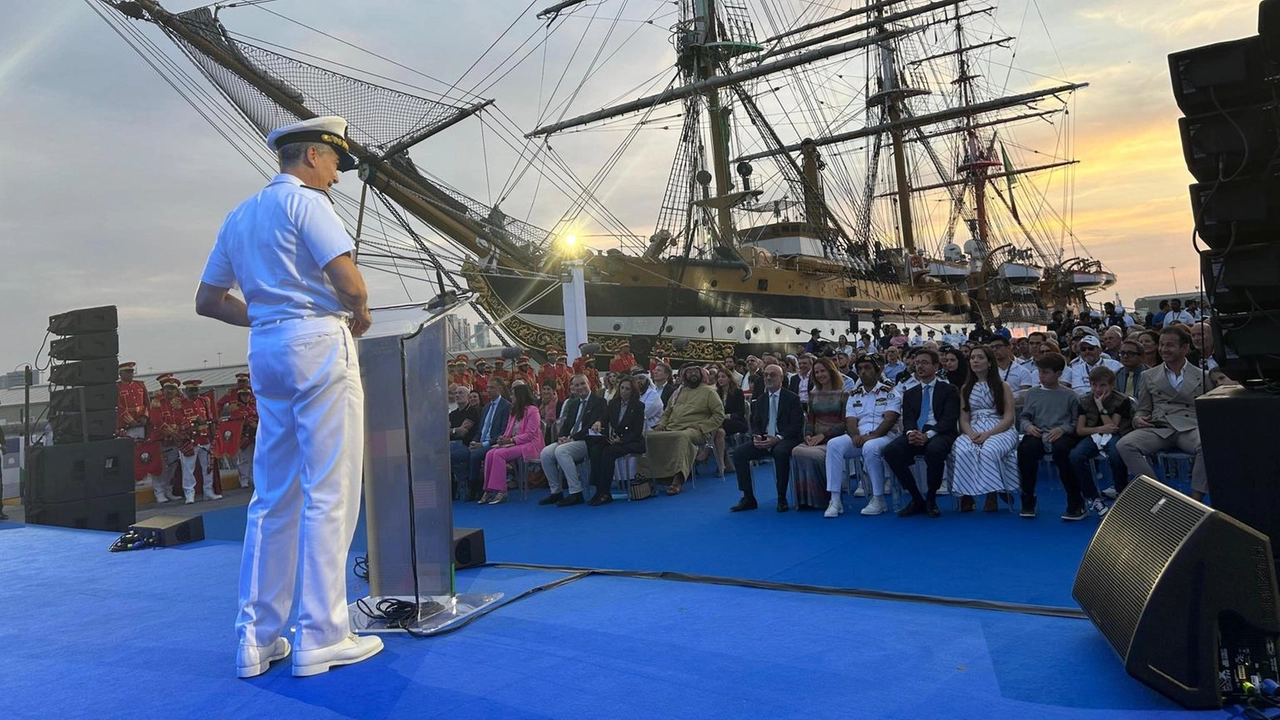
(149, 634)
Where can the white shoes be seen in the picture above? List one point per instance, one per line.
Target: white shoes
(189, 497)
(351, 650)
(875, 507)
(835, 508)
(161, 498)
(211, 495)
(252, 661)
(859, 492)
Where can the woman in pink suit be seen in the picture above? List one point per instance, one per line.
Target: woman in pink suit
(523, 438)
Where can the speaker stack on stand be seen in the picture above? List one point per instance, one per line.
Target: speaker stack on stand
(85, 479)
(1230, 93)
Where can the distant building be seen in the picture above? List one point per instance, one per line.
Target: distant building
(16, 379)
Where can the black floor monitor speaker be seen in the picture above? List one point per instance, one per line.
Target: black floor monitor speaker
(1171, 583)
(82, 471)
(1241, 456)
(113, 512)
(468, 547)
(170, 530)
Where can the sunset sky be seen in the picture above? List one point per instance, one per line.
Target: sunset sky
(114, 187)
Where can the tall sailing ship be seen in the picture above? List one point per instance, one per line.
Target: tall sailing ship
(851, 166)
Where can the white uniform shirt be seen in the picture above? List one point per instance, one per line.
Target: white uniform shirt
(1018, 378)
(1077, 373)
(916, 341)
(869, 407)
(1181, 316)
(274, 246)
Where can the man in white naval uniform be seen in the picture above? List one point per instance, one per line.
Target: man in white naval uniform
(305, 302)
(871, 420)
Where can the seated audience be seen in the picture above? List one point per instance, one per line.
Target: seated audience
(1150, 340)
(577, 441)
(1129, 376)
(777, 427)
(468, 459)
(987, 435)
(824, 420)
(650, 397)
(1017, 377)
(689, 422)
(871, 415)
(464, 420)
(954, 367)
(1105, 417)
(735, 416)
(931, 417)
(1076, 375)
(1166, 415)
(894, 368)
(521, 439)
(1048, 421)
(549, 407)
(623, 429)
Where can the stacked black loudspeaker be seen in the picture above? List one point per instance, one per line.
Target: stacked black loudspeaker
(1230, 93)
(85, 479)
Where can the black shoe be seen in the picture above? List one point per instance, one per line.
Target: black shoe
(570, 499)
(782, 505)
(746, 503)
(600, 498)
(1028, 507)
(551, 499)
(931, 509)
(1075, 513)
(914, 507)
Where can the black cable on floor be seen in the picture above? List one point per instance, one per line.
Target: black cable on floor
(993, 605)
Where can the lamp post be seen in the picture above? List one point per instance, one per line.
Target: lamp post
(1173, 271)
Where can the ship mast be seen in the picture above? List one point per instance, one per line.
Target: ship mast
(704, 13)
(891, 96)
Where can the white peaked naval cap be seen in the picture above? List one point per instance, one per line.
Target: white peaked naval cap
(330, 130)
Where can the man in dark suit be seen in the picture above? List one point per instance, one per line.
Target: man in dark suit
(468, 460)
(777, 427)
(580, 420)
(931, 418)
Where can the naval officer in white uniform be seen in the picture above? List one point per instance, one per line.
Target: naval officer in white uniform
(305, 302)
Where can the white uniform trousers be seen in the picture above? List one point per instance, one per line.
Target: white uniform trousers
(841, 449)
(307, 469)
(200, 457)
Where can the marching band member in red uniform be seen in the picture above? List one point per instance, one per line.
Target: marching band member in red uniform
(168, 426)
(196, 409)
(524, 371)
(623, 360)
(480, 381)
(160, 379)
(232, 395)
(500, 372)
(243, 408)
(547, 373)
(131, 404)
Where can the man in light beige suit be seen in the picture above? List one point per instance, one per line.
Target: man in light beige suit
(1166, 415)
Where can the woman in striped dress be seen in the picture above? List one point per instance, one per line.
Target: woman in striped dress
(823, 421)
(987, 436)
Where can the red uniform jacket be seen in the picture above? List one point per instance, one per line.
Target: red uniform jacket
(131, 405)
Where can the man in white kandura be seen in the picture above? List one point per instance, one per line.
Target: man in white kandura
(305, 302)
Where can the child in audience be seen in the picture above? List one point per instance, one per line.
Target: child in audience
(1105, 416)
(1049, 422)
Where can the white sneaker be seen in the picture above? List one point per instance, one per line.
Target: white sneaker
(1111, 493)
(835, 508)
(252, 661)
(351, 650)
(860, 492)
(875, 507)
(944, 490)
(212, 496)
(189, 497)
(161, 498)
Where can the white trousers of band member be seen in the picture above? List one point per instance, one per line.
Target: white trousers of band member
(244, 466)
(307, 470)
(840, 449)
(200, 457)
